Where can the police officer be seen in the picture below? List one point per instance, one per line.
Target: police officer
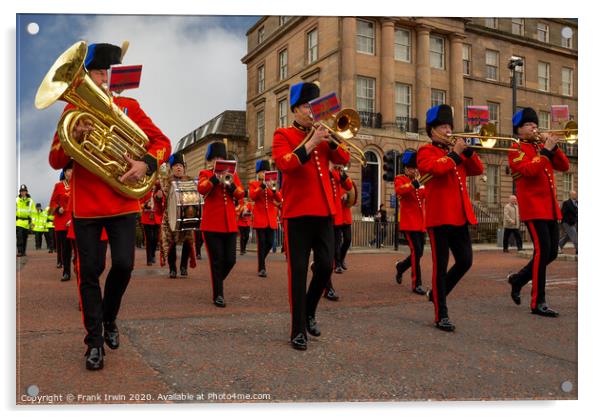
(308, 208)
(38, 220)
(532, 165)
(25, 210)
(410, 193)
(49, 233)
(448, 207)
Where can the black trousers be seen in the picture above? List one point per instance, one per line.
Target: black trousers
(97, 308)
(244, 238)
(342, 241)
(416, 243)
(265, 241)
(171, 256)
(38, 238)
(64, 245)
(545, 236)
(301, 236)
(151, 239)
(221, 251)
(198, 242)
(49, 237)
(22, 234)
(517, 238)
(443, 239)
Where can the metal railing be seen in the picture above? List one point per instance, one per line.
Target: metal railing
(370, 119)
(406, 124)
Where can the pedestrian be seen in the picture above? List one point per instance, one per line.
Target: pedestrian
(25, 210)
(511, 224)
(532, 164)
(569, 222)
(380, 225)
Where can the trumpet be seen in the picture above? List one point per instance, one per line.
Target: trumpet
(271, 185)
(225, 178)
(342, 126)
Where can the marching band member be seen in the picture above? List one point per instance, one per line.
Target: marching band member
(411, 221)
(265, 213)
(345, 240)
(448, 207)
(153, 204)
(97, 205)
(59, 203)
(532, 165)
(308, 208)
(219, 220)
(244, 211)
(170, 239)
(341, 184)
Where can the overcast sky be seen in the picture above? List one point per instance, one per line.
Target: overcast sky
(191, 72)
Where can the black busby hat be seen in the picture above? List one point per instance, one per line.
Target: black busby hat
(303, 92)
(102, 56)
(175, 159)
(408, 158)
(262, 165)
(439, 115)
(522, 117)
(216, 149)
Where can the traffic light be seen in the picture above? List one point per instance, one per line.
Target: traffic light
(390, 165)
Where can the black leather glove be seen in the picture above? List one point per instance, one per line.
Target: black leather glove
(231, 188)
(213, 179)
(343, 177)
(262, 185)
(416, 184)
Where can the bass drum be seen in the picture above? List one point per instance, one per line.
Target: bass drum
(184, 206)
(351, 196)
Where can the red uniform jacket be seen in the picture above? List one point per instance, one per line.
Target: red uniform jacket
(411, 204)
(154, 215)
(533, 172)
(244, 214)
(92, 196)
(446, 197)
(306, 185)
(265, 212)
(347, 219)
(219, 211)
(338, 189)
(60, 199)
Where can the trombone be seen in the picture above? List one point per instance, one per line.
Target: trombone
(487, 135)
(342, 127)
(569, 132)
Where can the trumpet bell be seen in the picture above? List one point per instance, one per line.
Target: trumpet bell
(571, 133)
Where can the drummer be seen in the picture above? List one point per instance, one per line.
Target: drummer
(170, 239)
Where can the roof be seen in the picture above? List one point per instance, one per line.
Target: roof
(231, 124)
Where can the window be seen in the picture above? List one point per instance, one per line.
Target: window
(437, 97)
(260, 79)
(493, 184)
(365, 94)
(371, 185)
(519, 71)
(544, 120)
(543, 32)
(566, 42)
(492, 63)
(403, 100)
(282, 113)
(403, 45)
(567, 184)
(466, 59)
(543, 76)
(283, 64)
(491, 22)
(567, 81)
(312, 45)
(437, 50)
(260, 35)
(467, 102)
(260, 129)
(518, 26)
(365, 36)
(494, 113)
(283, 19)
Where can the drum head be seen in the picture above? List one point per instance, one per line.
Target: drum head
(351, 196)
(172, 208)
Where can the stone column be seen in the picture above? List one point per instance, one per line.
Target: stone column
(423, 75)
(347, 66)
(456, 81)
(387, 73)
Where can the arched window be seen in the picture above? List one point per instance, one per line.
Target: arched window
(371, 177)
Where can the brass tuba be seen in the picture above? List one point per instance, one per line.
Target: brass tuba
(102, 150)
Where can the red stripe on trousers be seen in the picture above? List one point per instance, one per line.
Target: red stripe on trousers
(288, 272)
(536, 263)
(434, 289)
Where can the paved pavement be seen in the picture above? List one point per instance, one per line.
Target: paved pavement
(377, 343)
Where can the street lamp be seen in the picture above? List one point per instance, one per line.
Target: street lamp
(512, 64)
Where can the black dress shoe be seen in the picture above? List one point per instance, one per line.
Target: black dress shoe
(59, 266)
(95, 358)
(344, 265)
(445, 324)
(173, 274)
(219, 301)
(149, 263)
(21, 254)
(505, 250)
(429, 295)
(418, 290)
(111, 335)
(331, 295)
(399, 274)
(312, 326)
(338, 270)
(183, 272)
(515, 290)
(262, 273)
(66, 277)
(543, 310)
(299, 342)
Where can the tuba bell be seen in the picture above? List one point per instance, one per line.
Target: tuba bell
(102, 150)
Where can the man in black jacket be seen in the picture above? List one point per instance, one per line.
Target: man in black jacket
(569, 221)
